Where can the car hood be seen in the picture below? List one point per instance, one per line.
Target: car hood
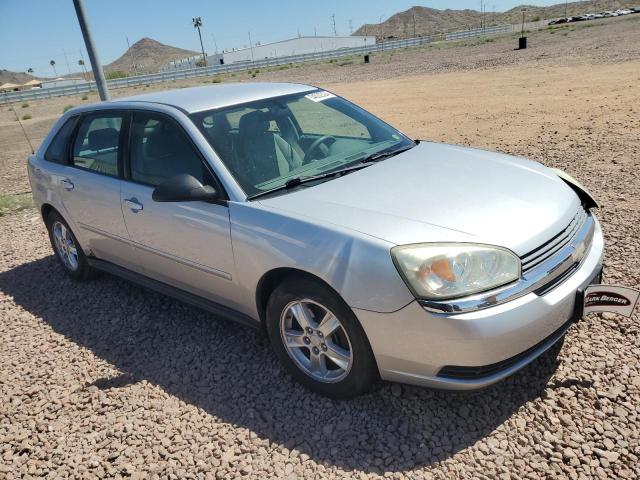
(436, 192)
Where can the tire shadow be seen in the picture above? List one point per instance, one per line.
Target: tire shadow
(230, 372)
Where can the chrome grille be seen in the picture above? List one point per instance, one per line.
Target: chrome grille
(546, 250)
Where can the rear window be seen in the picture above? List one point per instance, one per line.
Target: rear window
(57, 151)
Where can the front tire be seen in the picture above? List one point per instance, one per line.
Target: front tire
(319, 340)
(67, 249)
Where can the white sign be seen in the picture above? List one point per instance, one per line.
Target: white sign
(610, 298)
(319, 96)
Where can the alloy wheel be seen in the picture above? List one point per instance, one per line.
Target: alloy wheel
(65, 245)
(316, 341)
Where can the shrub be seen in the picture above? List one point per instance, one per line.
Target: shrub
(27, 117)
(201, 63)
(253, 75)
(25, 105)
(84, 97)
(346, 62)
(117, 74)
(536, 18)
(216, 80)
(66, 108)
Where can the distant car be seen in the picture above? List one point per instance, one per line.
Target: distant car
(609, 14)
(635, 10)
(624, 11)
(558, 21)
(361, 252)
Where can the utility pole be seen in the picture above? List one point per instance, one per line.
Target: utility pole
(333, 20)
(414, 23)
(351, 26)
(197, 23)
(565, 8)
(133, 60)
(66, 59)
(98, 74)
(215, 44)
(251, 46)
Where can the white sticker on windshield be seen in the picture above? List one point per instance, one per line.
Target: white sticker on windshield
(319, 96)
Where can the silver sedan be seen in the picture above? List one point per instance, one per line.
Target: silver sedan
(363, 254)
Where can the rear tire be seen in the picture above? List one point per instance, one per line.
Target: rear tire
(67, 249)
(319, 340)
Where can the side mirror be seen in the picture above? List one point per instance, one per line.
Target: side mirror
(183, 188)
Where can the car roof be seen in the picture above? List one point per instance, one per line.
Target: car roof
(197, 99)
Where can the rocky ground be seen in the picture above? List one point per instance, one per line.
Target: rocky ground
(105, 379)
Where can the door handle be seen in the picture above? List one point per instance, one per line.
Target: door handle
(67, 184)
(133, 204)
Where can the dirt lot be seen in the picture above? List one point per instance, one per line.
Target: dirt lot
(106, 379)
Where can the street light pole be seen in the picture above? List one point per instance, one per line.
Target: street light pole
(98, 74)
(197, 23)
(251, 46)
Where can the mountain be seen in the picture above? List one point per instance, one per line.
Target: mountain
(429, 21)
(7, 76)
(148, 55)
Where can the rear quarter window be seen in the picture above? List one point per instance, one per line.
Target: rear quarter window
(57, 151)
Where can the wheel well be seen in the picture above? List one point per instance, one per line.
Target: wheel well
(46, 210)
(272, 279)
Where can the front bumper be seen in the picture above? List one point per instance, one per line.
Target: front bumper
(412, 345)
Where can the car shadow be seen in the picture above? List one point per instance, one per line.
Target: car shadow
(231, 373)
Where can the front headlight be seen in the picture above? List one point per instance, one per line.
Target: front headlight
(440, 271)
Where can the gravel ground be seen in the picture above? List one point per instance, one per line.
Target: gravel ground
(105, 379)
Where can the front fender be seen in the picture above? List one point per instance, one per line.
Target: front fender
(357, 266)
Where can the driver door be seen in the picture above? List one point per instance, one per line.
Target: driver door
(183, 244)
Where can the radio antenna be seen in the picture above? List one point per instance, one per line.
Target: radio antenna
(24, 132)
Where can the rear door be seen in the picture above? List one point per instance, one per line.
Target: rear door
(184, 244)
(90, 186)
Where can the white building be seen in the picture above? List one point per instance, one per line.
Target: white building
(296, 46)
(284, 48)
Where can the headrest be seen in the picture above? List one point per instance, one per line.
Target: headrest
(159, 143)
(103, 138)
(254, 123)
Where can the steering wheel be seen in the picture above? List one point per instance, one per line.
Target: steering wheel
(326, 140)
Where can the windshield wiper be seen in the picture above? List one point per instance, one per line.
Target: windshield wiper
(295, 181)
(376, 157)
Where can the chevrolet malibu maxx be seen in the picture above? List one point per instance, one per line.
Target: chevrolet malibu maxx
(362, 254)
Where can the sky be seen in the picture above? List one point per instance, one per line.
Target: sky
(33, 32)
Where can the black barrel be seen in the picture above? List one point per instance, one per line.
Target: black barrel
(366, 58)
(523, 43)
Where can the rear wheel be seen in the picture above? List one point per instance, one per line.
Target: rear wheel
(319, 340)
(67, 249)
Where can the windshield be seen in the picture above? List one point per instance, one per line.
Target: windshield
(266, 143)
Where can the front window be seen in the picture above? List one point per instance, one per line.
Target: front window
(97, 143)
(269, 142)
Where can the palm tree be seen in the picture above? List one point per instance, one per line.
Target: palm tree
(30, 70)
(53, 65)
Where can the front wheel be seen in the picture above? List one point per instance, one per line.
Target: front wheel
(319, 340)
